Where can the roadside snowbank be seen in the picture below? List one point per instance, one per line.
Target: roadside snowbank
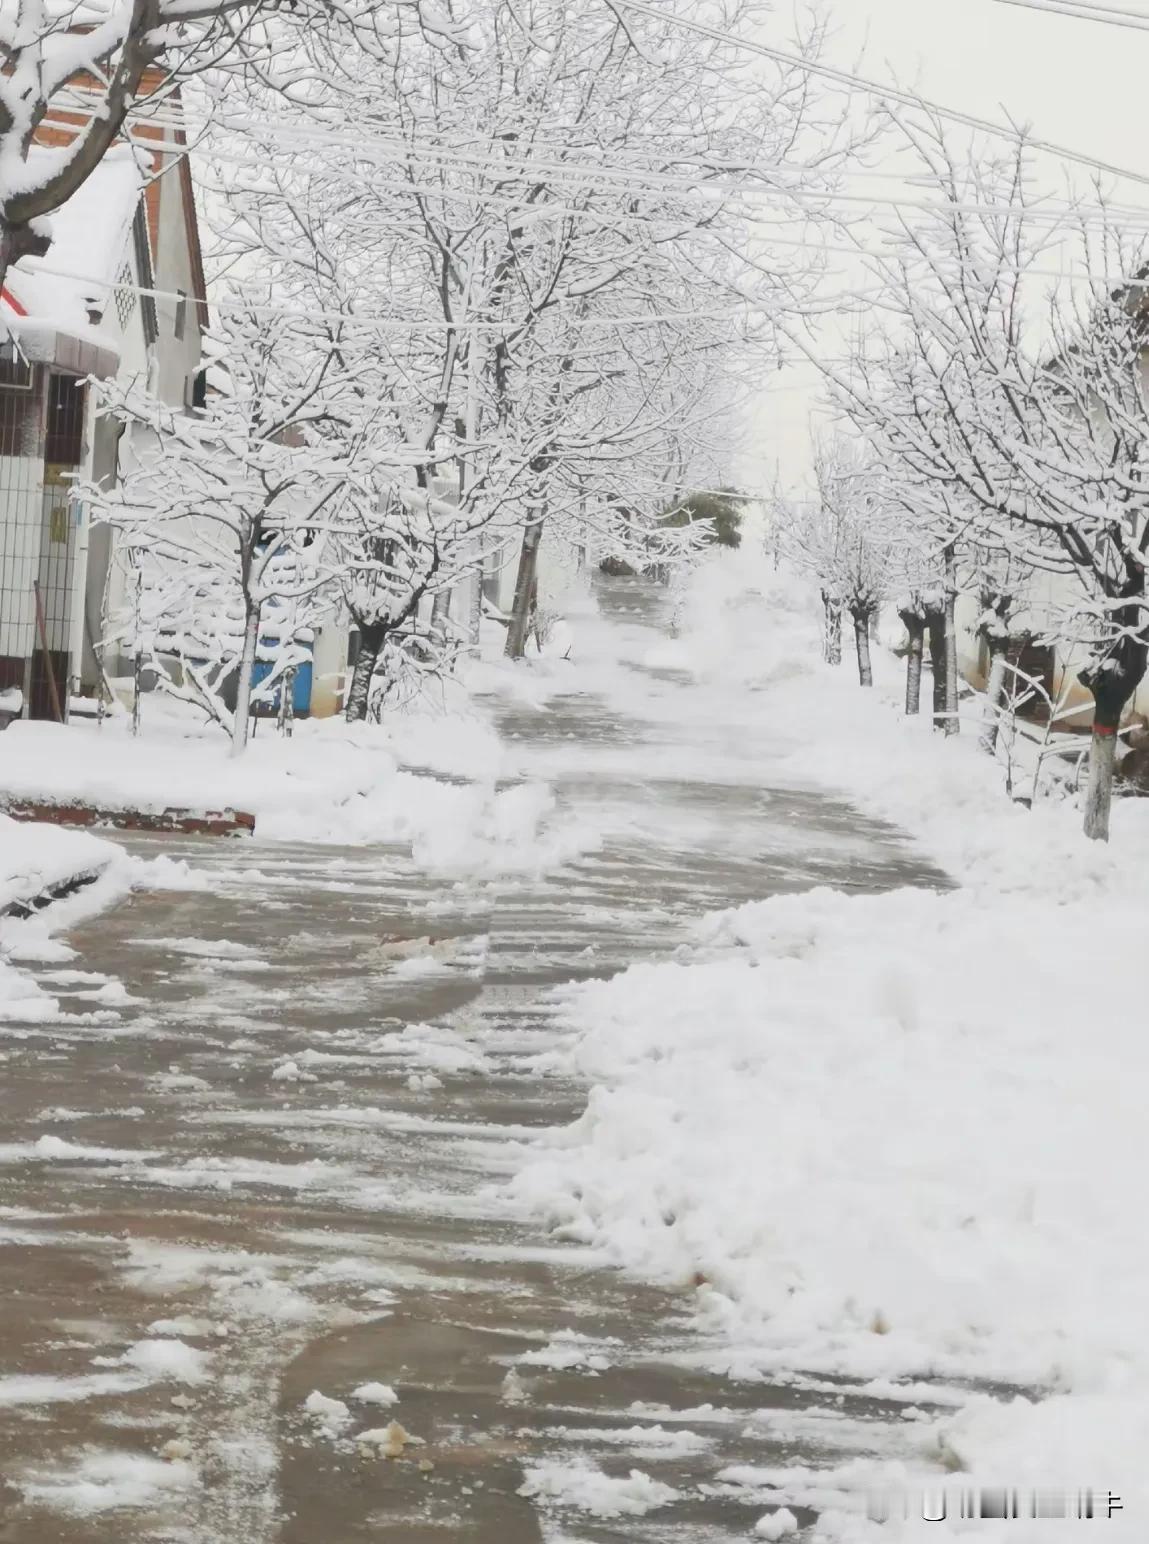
(895, 1136)
(430, 781)
(37, 858)
(750, 633)
(880, 1160)
(34, 860)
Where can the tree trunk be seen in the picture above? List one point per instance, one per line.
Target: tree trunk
(372, 637)
(138, 661)
(137, 689)
(831, 630)
(915, 630)
(525, 591)
(952, 721)
(1099, 789)
(936, 631)
(1113, 680)
(994, 692)
(862, 642)
(1111, 691)
(243, 684)
(287, 702)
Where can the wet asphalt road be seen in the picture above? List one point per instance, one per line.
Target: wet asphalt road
(306, 1095)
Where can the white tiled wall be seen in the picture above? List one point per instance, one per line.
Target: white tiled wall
(21, 519)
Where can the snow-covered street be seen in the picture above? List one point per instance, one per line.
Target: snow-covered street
(574, 772)
(255, 1178)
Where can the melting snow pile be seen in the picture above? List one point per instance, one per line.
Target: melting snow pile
(110, 1482)
(332, 783)
(583, 1488)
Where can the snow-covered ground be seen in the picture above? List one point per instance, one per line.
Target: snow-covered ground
(893, 1137)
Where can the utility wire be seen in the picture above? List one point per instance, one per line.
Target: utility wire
(1110, 15)
(606, 176)
(892, 93)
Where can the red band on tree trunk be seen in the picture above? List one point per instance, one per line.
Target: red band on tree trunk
(1103, 730)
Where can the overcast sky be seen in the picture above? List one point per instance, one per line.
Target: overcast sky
(1079, 83)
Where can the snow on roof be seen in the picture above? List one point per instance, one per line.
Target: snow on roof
(89, 237)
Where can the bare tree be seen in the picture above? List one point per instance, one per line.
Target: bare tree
(843, 540)
(1028, 409)
(237, 507)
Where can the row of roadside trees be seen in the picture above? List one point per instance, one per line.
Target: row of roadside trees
(993, 441)
(476, 282)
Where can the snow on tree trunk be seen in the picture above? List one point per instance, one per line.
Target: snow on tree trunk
(1099, 789)
(831, 630)
(994, 693)
(287, 703)
(862, 642)
(137, 689)
(371, 640)
(525, 590)
(1113, 679)
(915, 630)
(1111, 687)
(243, 685)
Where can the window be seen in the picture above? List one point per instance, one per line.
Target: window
(64, 430)
(15, 370)
(179, 325)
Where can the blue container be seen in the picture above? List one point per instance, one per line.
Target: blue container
(300, 694)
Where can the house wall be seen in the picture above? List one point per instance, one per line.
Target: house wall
(166, 365)
(174, 256)
(556, 568)
(500, 558)
(42, 448)
(328, 668)
(1053, 599)
(101, 583)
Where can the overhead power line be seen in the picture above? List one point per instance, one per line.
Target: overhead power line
(747, 181)
(874, 88)
(1079, 10)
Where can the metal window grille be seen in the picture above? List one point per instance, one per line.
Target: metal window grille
(125, 297)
